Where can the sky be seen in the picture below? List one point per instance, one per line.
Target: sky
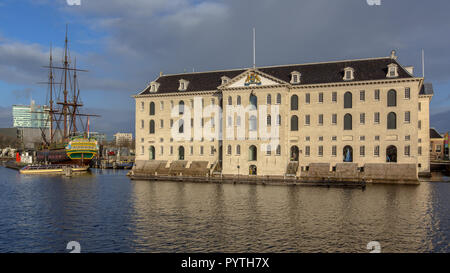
(126, 44)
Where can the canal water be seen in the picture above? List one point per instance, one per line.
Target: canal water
(107, 212)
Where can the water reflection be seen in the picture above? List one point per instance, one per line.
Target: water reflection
(107, 212)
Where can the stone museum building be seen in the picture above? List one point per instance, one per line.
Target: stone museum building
(365, 115)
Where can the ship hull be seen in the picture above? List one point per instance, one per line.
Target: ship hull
(61, 156)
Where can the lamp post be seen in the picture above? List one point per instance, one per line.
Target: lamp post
(238, 167)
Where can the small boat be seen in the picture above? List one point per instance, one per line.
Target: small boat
(51, 169)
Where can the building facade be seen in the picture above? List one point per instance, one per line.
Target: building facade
(30, 116)
(123, 138)
(436, 145)
(279, 120)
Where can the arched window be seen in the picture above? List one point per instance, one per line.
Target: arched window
(279, 120)
(152, 108)
(278, 150)
(151, 151)
(269, 99)
(392, 121)
(230, 100)
(348, 100)
(294, 123)
(348, 154)
(269, 120)
(278, 98)
(238, 100)
(252, 153)
(181, 107)
(391, 98)
(294, 102)
(391, 154)
(229, 149)
(181, 153)
(152, 127)
(253, 101)
(348, 124)
(238, 149)
(268, 149)
(253, 123)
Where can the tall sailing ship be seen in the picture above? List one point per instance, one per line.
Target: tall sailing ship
(64, 142)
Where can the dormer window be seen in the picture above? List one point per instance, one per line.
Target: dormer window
(225, 79)
(154, 86)
(349, 74)
(183, 85)
(295, 77)
(392, 71)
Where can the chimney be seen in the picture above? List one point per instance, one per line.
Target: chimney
(410, 69)
(160, 73)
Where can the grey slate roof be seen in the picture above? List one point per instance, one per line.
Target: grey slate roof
(427, 89)
(317, 73)
(434, 133)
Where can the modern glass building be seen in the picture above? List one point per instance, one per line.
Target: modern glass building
(32, 116)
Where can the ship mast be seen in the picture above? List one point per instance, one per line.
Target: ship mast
(51, 96)
(65, 106)
(75, 100)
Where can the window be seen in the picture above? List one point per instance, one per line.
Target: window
(171, 150)
(334, 150)
(348, 100)
(334, 97)
(192, 123)
(279, 120)
(407, 150)
(376, 117)
(142, 150)
(278, 152)
(238, 100)
(362, 150)
(238, 121)
(348, 122)
(321, 119)
(420, 106)
(269, 120)
(392, 71)
(307, 120)
(268, 150)
(407, 117)
(376, 94)
(161, 105)
(162, 150)
(307, 138)
(295, 77)
(392, 98)
(362, 95)
(320, 153)
(201, 150)
(152, 108)
(419, 150)
(392, 121)
(253, 123)
(307, 98)
(419, 125)
(438, 148)
(362, 118)
(334, 138)
(152, 127)
(307, 151)
(253, 101)
(376, 151)
(183, 85)
(294, 102)
(181, 107)
(252, 153)
(321, 138)
(294, 123)
(213, 101)
(320, 97)
(408, 138)
(142, 124)
(238, 149)
(142, 106)
(362, 138)
(377, 138)
(407, 93)
(230, 100)
(349, 74)
(230, 121)
(334, 119)
(278, 98)
(269, 99)
(171, 123)
(191, 150)
(229, 150)
(161, 123)
(181, 126)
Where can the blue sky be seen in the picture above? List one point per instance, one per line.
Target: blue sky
(125, 44)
